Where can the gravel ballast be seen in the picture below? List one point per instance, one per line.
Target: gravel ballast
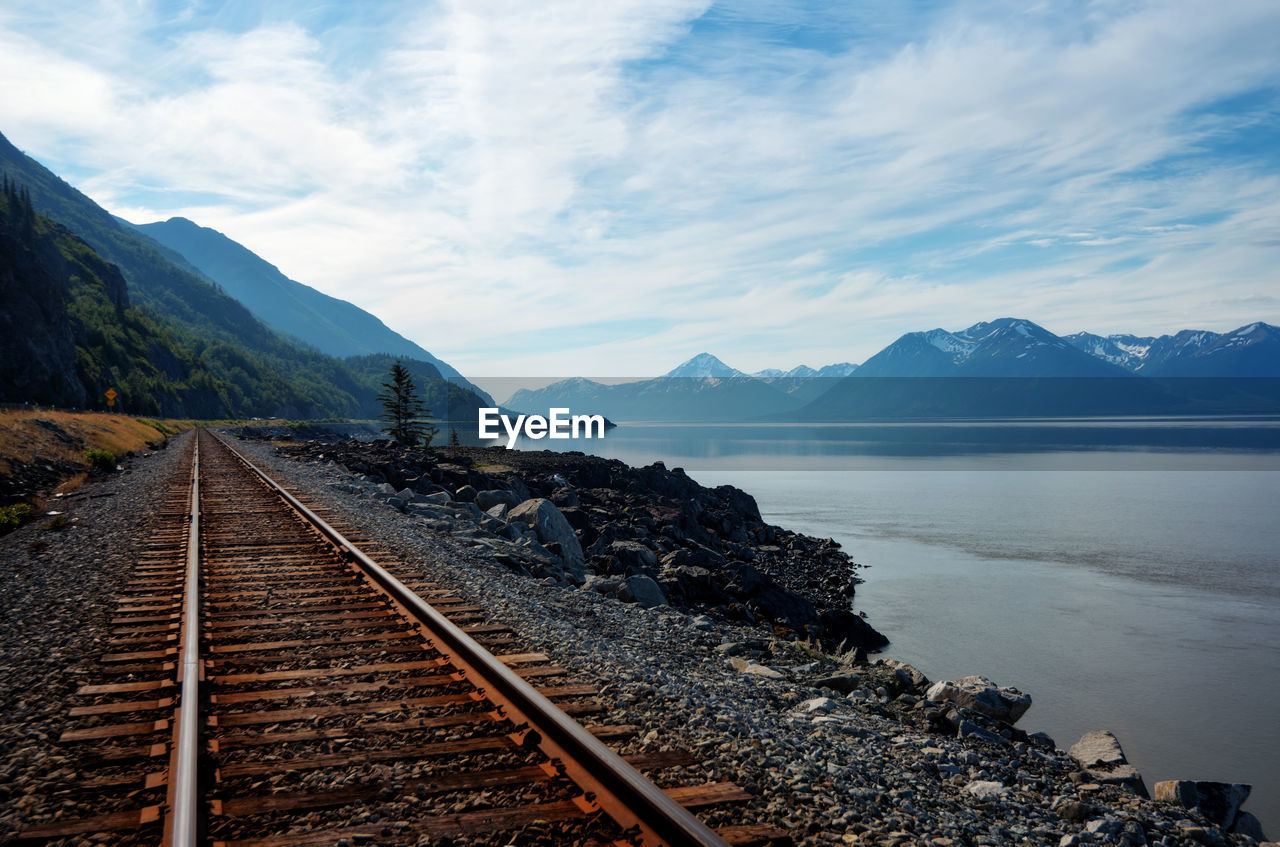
(58, 587)
(835, 754)
(830, 767)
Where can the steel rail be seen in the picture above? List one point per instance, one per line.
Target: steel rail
(180, 825)
(640, 808)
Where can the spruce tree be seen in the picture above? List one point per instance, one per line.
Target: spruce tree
(403, 410)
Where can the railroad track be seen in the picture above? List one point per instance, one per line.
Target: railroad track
(268, 683)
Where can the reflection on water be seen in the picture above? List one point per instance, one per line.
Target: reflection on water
(1125, 573)
(1154, 443)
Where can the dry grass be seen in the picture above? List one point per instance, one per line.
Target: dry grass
(30, 436)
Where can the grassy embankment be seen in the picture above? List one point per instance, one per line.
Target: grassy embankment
(56, 451)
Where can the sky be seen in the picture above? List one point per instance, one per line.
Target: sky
(583, 188)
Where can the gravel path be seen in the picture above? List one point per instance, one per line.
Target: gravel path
(57, 589)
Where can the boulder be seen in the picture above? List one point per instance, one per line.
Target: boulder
(1217, 801)
(1099, 753)
(1097, 748)
(634, 554)
(969, 729)
(492, 497)
(1247, 824)
(551, 527)
(498, 511)
(466, 494)
(1126, 776)
(912, 679)
(608, 585)
(440, 498)
(984, 696)
(642, 590)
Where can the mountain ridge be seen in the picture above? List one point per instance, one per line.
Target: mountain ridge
(329, 324)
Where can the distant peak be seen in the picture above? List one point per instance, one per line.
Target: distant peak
(703, 365)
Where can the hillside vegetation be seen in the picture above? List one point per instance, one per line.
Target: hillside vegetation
(204, 354)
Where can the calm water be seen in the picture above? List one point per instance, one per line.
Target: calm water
(1125, 586)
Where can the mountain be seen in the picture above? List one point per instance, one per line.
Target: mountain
(836, 371)
(1007, 347)
(249, 366)
(703, 365)
(1250, 351)
(68, 331)
(702, 389)
(326, 323)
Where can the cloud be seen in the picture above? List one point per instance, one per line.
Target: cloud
(506, 182)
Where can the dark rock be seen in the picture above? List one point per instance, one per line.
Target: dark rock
(642, 590)
(551, 526)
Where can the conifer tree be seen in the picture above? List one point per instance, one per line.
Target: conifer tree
(403, 410)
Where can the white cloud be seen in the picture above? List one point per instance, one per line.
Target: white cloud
(494, 168)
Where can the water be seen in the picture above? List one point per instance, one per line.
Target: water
(1124, 586)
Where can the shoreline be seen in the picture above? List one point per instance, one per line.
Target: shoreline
(834, 753)
(914, 702)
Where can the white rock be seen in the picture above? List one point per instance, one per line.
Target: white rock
(986, 790)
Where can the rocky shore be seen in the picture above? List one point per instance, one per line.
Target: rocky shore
(647, 535)
(837, 751)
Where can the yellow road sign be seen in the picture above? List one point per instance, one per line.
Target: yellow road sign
(111, 395)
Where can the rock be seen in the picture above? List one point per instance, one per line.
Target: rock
(492, 497)
(969, 729)
(633, 554)
(565, 496)
(1097, 748)
(702, 622)
(912, 679)
(465, 494)
(1247, 824)
(986, 790)
(1043, 740)
(386, 488)
(1180, 791)
(1104, 826)
(982, 695)
(844, 683)
(1125, 776)
(608, 585)
(754, 668)
(499, 511)
(642, 590)
(440, 498)
(818, 704)
(551, 526)
(1217, 801)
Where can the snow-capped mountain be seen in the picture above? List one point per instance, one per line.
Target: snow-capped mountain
(703, 365)
(1252, 350)
(1007, 347)
(836, 371)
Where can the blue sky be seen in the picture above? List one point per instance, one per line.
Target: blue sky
(563, 188)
